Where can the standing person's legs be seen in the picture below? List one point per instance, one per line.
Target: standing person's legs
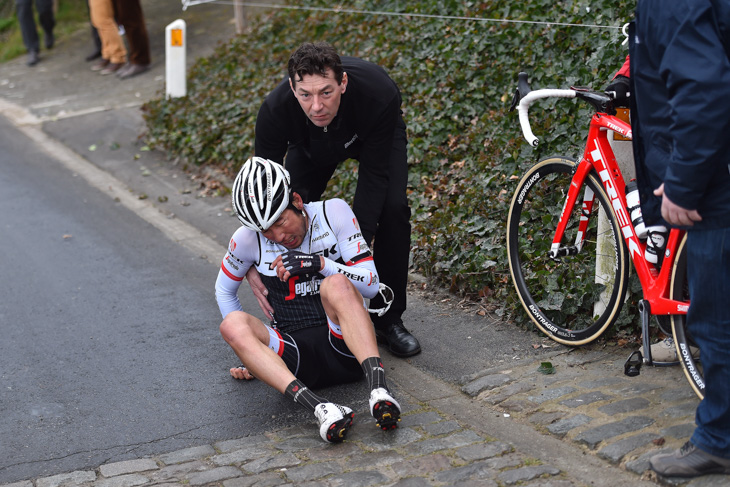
(28, 27)
(96, 53)
(391, 253)
(131, 16)
(101, 15)
(112, 45)
(46, 19)
(708, 323)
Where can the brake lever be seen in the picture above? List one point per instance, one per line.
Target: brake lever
(523, 88)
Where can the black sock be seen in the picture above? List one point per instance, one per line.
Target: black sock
(303, 395)
(374, 372)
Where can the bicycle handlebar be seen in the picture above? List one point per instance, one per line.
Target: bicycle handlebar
(524, 106)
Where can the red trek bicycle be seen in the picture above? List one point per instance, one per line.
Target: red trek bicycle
(570, 240)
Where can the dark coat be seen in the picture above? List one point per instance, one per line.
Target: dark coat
(364, 128)
(680, 70)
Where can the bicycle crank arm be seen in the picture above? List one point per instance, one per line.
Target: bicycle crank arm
(645, 314)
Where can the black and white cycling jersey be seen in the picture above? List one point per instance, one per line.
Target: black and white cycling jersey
(333, 233)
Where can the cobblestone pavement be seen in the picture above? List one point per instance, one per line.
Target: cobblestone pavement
(577, 427)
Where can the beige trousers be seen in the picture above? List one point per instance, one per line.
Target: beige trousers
(112, 45)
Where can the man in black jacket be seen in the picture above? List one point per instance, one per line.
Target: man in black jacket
(331, 109)
(680, 67)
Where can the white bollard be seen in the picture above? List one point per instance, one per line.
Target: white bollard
(175, 69)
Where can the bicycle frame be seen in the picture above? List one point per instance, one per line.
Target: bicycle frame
(599, 156)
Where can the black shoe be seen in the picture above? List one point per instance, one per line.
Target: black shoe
(400, 342)
(688, 461)
(33, 58)
(50, 40)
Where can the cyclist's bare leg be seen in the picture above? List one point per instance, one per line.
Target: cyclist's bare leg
(249, 338)
(343, 304)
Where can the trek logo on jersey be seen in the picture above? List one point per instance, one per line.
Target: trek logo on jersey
(232, 258)
(354, 237)
(327, 252)
(351, 276)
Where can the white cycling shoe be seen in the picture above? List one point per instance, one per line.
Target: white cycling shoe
(334, 421)
(384, 409)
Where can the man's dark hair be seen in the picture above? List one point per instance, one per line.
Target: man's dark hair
(314, 58)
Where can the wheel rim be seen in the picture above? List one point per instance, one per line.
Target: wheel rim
(559, 296)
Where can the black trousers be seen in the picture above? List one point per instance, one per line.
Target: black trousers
(129, 13)
(28, 27)
(392, 245)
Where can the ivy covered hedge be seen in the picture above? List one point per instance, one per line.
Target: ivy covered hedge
(466, 151)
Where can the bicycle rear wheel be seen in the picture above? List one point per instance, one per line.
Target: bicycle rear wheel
(572, 299)
(682, 339)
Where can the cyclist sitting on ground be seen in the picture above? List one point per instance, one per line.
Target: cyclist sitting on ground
(331, 109)
(316, 267)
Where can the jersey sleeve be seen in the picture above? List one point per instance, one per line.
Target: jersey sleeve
(358, 266)
(242, 254)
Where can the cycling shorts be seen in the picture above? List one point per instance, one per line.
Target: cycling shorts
(316, 356)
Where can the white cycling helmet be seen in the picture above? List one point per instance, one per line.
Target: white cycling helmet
(260, 193)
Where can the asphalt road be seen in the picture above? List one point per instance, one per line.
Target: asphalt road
(110, 347)
(110, 342)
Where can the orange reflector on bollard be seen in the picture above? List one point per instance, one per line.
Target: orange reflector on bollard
(176, 37)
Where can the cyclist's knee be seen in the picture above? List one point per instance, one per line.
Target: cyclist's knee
(237, 326)
(337, 287)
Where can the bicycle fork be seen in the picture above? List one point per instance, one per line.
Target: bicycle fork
(556, 250)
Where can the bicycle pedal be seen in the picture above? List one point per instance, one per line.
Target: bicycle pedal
(632, 366)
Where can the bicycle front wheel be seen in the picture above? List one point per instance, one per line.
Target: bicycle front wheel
(686, 348)
(572, 299)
